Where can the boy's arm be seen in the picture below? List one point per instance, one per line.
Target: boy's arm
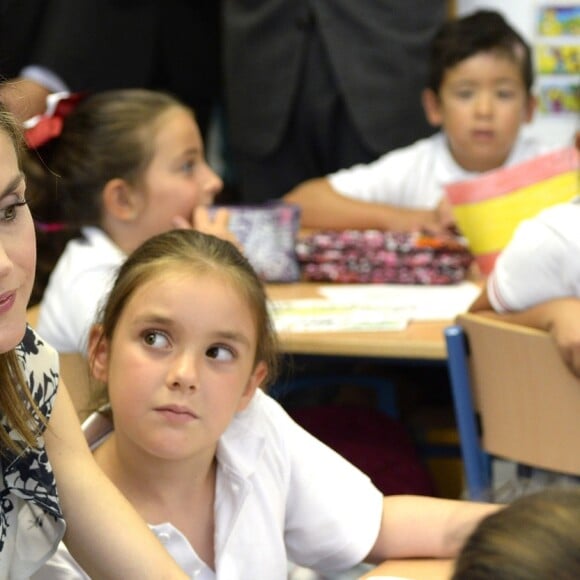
(560, 317)
(417, 526)
(322, 207)
(104, 532)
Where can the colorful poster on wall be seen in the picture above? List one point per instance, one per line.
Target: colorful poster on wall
(557, 57)
(559, 95)
(559, 19)
(558, 60)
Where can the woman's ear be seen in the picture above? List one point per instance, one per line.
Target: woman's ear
(256, 379)
(121, 200)
(98, 354)
(432, 107)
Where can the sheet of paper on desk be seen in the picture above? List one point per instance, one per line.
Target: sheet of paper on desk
(323, 315)
(416, 302)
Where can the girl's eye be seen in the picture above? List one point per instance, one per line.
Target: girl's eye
(221, 353)
(188, 166)
(464, 94)
(10, 213)
(155, 339)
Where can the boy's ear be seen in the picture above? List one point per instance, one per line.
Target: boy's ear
(121, 200)
(432, 107)
(255, 381)
(98, 354)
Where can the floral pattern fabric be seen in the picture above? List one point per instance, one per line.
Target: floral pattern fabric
(373, 256)
(31, 521)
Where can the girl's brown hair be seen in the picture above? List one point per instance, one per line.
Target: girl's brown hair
(198, 253)
(535, 538)
(109, 135)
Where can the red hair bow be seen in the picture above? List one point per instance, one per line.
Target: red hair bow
(41, 129)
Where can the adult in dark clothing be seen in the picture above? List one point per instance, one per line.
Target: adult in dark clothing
(20, 24)
(93, 45)
(316, 85)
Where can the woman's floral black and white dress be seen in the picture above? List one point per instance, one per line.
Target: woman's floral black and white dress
(31, 522)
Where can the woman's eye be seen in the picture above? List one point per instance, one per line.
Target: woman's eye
(155, 339)
(222, 353)
(10, 213)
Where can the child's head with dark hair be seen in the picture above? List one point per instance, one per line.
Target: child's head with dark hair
(478, 89)
(481, 31)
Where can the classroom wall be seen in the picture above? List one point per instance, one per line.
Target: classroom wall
(521, 14)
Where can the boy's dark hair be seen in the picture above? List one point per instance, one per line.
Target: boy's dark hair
(480, 31)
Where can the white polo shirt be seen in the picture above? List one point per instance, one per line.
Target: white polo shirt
(79, 282)
(541, 261)
(415, 176)
(281, 495)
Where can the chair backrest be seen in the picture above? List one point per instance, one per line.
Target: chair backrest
(74, 371)
(514, 397)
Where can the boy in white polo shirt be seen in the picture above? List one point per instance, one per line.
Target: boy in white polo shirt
(479, 93)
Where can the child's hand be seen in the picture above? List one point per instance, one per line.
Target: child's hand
(403, 219)
(439, 221)
(444, 213)
(216, 226)
(435, 222)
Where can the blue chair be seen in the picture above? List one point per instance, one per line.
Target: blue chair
(514, 398)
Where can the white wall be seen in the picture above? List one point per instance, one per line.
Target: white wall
(521, 14)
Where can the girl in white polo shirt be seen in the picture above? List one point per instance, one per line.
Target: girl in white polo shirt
(226, 479)
(120, 166)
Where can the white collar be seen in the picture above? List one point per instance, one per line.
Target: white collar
(239, 448)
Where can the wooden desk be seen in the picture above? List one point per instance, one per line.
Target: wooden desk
(413, 569)
(420, 340)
